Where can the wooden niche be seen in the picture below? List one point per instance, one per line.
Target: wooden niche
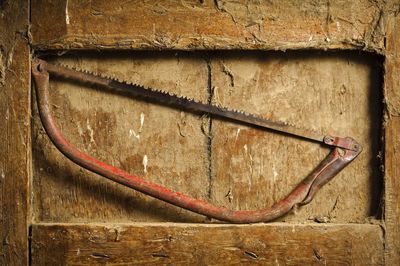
(331, 66)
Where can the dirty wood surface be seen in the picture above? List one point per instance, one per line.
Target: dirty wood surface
(392, 197)
(331, 93)
(211, 24)
(15, 141)
(208, 24)
(157, 143)
(189, 244)
(232, 166)
(392, 144)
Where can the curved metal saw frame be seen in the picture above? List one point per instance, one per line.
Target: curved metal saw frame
(344, 150)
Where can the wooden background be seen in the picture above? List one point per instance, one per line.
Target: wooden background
(53, 212)
(226, 163)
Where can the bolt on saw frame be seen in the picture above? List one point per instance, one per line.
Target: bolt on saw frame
(343, 149)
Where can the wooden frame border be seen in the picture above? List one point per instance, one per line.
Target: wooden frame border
(207, 24)
(202, 244)
(392, 141)
(15, 131)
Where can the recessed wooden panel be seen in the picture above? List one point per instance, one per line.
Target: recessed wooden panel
(233, 165)
(189, 244)
(207, 24)
(160, 144)
(331, 93)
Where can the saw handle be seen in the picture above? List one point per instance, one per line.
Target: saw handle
(300, 195)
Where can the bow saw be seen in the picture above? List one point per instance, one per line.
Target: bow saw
(343, 150)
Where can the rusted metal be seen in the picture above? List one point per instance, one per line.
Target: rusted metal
(345, 150)
(170, 99)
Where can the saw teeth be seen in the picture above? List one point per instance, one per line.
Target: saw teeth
(171, 94)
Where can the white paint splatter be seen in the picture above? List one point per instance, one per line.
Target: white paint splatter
(251, 160)
(237, 133)
(338, 25)
(274, 172)
(133, 133)
(90, 131)
(66, 13)
(141, 122)
(7, 114)
(80, 131)
(145, 160)
(250, 165)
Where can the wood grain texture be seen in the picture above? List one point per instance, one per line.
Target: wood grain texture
(157, 143)
(332, 93)
(15, 141)
(64, 193)
(189, 244)
(208, 24)
(249, 168)
(392, 67)
(392, 144)
(392, 197)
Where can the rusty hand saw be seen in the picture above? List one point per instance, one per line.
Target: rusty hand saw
(344, 150)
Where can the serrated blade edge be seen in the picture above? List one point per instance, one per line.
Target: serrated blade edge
(171, 99)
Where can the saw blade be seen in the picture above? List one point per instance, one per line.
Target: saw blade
(171, 99)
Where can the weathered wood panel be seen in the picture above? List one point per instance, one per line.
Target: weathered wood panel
(249, 168)
(332, 93)
(392, 68)
(160, 144)
(180, 244)
(392, 144)
(208, 24)
(392, 197)
(15, 141)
